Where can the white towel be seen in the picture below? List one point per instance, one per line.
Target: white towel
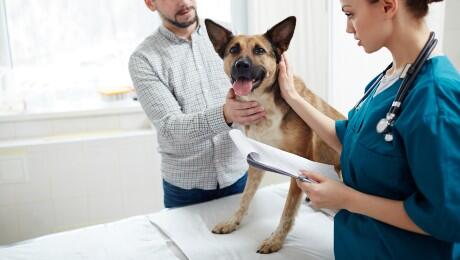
(190, 228)
(132, 238)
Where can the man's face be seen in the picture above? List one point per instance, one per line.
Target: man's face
(180, 13)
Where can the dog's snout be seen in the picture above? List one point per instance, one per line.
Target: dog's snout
(242, 65)
(242, 68)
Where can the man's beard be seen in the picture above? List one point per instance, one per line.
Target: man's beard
(178, 24)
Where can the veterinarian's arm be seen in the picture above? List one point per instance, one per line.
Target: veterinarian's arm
(164, 111)
(320, 123)
(388, 211)
(328, 193)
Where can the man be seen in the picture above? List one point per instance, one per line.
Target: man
(181, 86)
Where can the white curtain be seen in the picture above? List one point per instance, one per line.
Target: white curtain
(308, 51)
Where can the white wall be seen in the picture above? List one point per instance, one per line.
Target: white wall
(452, 31)
(60, 174)
(216, 10)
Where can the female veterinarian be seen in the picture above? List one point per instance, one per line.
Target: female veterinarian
(401, 165)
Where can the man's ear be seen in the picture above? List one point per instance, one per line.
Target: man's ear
(218, 35)
(281, 34)
(151, 5)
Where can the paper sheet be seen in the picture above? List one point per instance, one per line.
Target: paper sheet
(277, 158)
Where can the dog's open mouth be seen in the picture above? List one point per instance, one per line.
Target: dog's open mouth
(243, 86)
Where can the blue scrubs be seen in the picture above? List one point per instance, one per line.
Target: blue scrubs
(420, 167)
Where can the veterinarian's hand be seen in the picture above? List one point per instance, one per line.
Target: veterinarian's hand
(286, 80)
(327, 193)
(241, 112)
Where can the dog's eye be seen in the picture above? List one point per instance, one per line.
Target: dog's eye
(235, 49)
(259, 51)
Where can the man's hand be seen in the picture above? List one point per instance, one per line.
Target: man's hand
(241, 112)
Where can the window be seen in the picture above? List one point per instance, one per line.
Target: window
(62, 51)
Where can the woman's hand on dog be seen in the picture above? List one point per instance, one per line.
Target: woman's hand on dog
(326, 193)
(286, 80)
(241, 112)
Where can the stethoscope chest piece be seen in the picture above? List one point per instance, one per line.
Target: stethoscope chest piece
(382, 126)
(388, 137)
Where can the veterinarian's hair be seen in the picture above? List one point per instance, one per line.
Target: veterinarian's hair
(419, 8)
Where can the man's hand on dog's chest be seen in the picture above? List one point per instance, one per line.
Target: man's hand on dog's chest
(241, 112)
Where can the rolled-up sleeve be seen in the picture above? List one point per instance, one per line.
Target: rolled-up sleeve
(164, 111)
(340, 129)
(433, 152)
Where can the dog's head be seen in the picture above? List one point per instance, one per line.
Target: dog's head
(251, 61)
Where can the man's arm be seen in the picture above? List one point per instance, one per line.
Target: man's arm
(164, 111)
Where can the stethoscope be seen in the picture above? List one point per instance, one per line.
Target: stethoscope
(409, 74)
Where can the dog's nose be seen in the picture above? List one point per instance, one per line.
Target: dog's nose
(242, 65)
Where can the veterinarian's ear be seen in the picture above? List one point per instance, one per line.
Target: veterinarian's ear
(281, 34)
(218, 35)
(390, 8)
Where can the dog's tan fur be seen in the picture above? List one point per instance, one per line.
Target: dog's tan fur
(282, 128)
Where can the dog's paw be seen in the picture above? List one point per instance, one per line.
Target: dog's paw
(225, 227)
(269, 246)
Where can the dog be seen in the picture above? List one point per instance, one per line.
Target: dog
(251, 62)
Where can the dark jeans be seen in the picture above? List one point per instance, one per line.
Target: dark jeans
(178, 197)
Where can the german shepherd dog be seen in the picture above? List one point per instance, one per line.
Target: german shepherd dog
(251, 62)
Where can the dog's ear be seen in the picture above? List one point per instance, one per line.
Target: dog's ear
(281, 34)
(218, 35)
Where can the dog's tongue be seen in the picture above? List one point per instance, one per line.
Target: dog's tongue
(242, 87)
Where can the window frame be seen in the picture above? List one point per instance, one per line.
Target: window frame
(5, 50)
(9, 67)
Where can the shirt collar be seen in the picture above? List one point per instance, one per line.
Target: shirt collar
(173, 37)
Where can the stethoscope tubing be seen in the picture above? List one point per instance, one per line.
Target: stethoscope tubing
(412, 75)
(409, 75)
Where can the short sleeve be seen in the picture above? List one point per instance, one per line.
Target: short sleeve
(340, 129)
(433, 153)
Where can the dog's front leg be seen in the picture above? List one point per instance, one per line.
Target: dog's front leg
(254, 179)
(276, 239)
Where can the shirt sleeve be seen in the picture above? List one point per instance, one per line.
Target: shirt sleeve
(340, 129)
(164, 111)
(433, 152)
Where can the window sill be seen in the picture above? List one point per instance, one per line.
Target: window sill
(100, 108)
(71, 138)
(104, 119)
